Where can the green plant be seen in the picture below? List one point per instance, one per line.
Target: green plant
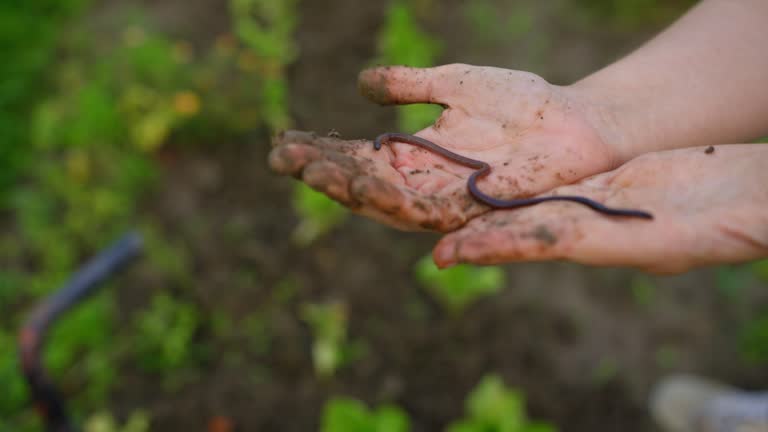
(286, 289)
(166, 333)
(104, 422)
(754, 340)
(330, 346)
(14, 395)
(491, 26)
(732, 280)
(319, 214)
(492, 407)
(643, 290)
(266, 27)
(457, 287)
(81, 344)
(26, 55)
(350, 415)
(760, 270)
(632, 14)
(402, 42)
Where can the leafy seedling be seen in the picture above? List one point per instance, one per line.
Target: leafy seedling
(330, 346)
(754, 340)
(402, 42)
(351, 415)
(458, 287)
(319, 214)
(492, 407)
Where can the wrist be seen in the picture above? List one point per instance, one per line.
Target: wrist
(614, 116)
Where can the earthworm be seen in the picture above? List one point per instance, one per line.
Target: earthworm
(482, 169)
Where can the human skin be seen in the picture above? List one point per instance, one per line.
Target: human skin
(533, 134)
(699, 83)
(710, 205)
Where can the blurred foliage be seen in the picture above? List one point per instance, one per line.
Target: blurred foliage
(760, 269)
(82, 190)
(166, 333)
(319, 214)
(26, 56)
(643, 290)
(266, 27)
(733, 282)
(104, 422)
(459, 286)
(350, 415)
(94, 130)
(629, 15)
(402, 42)
(84, 336)
(492, 407)
(754, 340)
(491, 25)
(14, 394)
(331, 348)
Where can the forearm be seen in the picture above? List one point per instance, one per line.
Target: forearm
(702, 81)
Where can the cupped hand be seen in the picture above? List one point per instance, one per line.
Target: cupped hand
(535, 135)
(710, 206)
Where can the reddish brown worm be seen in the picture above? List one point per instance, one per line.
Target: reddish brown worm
(482, 169)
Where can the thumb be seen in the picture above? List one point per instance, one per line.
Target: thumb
(396, 85)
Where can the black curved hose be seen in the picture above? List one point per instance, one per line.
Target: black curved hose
(31, 338)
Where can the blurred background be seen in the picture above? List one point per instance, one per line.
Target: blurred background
(262, 306)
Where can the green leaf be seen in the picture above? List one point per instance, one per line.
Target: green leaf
(539, 427)
(166, 330)
(402, 42)
(492, 407)
(319, 214)
(330, 347)
(351, 415)
(754, 340)
(459, 286)
(391, 419)
(346, 415)
(467, 426)
(760, 269)
(643, 290)
(492, 403)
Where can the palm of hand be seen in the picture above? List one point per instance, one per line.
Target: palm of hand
(721, 219)
(533, 134)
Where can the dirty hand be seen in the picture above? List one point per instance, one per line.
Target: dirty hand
(535, 135)
(710, 206)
